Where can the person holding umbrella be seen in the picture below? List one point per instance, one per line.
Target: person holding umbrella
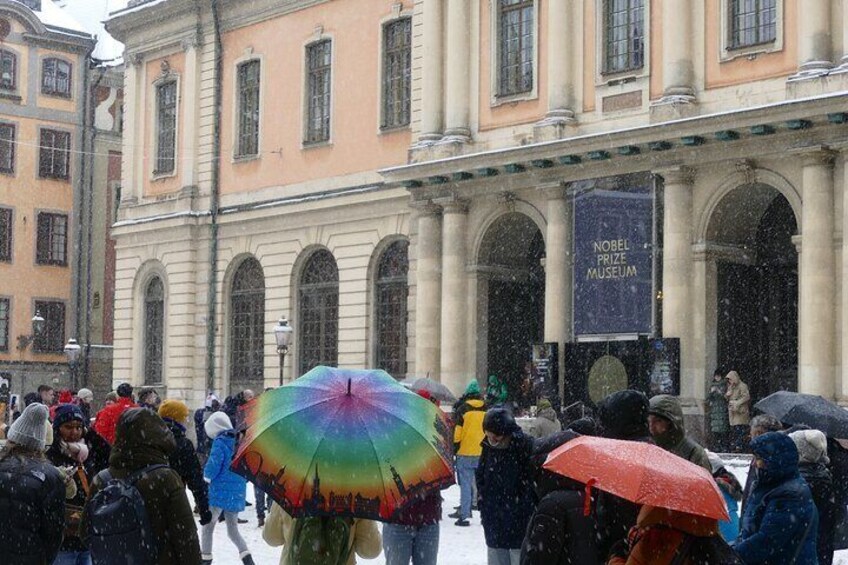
(665, 420)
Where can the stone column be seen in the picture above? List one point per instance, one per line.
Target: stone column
(678, 68)
(428, 293)
(130, 192)
(814, 38)
(843, 389)
(454, 295)
(560, 68)
(677, 267)
(843, 64)
(432, 96)
(817, 322)
(458, 99)
(558, 273)
(188, 141)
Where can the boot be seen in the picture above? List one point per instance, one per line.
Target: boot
(206, 559)
(247, 559)
(260, 521)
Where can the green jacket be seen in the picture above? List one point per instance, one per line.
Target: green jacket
(142, 439)
(675, 440)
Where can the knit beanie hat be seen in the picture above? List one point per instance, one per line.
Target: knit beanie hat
(544, 404)
(217, 424)
(211, 399)
(67, 413)
(812, 446)
(85, 394)
(29, 429)
(173, 409)
(473, 387)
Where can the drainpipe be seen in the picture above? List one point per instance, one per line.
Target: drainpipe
(81, 249)
(212, 313)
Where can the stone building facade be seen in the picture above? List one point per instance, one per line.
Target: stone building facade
(319, 159)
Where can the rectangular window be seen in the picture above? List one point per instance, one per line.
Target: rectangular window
(397, 73)
(318, 64)
(8, 70)
(166, 127)
(54, 154)
(52, 242)
(56, 78)
(752, 22)
(7, 148)
(4, 324)
(248, 111)
(624, 35)
(52, 339)
(5, 235)
(515, 45)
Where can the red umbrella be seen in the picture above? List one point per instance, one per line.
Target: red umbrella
(641, 473)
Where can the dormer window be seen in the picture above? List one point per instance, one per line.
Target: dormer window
(56, 77)
(8, 70)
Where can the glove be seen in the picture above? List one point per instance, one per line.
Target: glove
(205, 516)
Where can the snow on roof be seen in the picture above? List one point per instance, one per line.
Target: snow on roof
(92, 14)
(58, 19)
(130, 6)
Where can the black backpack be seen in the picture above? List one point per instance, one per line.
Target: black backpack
(119, 531)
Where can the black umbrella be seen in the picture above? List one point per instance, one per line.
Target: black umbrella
(814, 411)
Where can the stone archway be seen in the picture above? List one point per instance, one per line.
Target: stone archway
(750, 233)
(511, 292)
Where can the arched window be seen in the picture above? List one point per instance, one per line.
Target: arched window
(56, 77)
(319, 312)
(392, 290)
(247, 331)
(154, 329)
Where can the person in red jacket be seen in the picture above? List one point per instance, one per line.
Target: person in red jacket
(107, 419)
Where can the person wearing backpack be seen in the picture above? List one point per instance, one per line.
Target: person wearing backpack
(321, 541)
(151, 521)
(226, 489)
(32, 493)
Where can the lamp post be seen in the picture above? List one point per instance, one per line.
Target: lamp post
(283, 334)
(72, 352)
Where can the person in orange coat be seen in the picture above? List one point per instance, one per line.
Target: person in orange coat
(658, 534)
(107, 419)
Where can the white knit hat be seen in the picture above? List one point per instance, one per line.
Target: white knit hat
(217, 424)
(29, 429)
(812, 446)
(85, 394)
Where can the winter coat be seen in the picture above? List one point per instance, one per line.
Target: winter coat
(226, 489)
(184, 461)
(780, 518)
(731, 490)
(659, 533)
(365, 539)
(547, 423)
(675, 440)
(99, 451)
(497, 391)
(203, 441)
(505, 489)
(622, 415)
(821, 487)
(32, 498)
(839, 471)
(142, 439)
(107, 419)
(738, 400)
(558, 533)
(719, 422)
(468, 430)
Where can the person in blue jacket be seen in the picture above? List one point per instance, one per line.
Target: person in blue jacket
(780, 523)
(226, 489)
(731, 490)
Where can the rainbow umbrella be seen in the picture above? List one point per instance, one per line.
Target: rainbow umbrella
(339, 442)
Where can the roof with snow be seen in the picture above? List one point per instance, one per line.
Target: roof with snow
(92, 14)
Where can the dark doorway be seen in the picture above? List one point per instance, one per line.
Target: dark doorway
(512, 254)
(758, 304)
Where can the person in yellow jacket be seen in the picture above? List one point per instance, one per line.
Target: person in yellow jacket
(365, 539)
(467, 437)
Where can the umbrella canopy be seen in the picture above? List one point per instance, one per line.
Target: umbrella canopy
(814, 411)
(436, 389)
(339, 442)
(640, 472)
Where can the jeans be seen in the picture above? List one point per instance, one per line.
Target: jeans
(504, 556)
(231, 518)
(261, 504)
(72, 558)
(465, 468)
(418, 543)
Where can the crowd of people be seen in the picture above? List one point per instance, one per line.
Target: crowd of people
(62, 464)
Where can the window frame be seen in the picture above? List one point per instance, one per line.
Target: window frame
(604, 70)
(730, 52)
(385, 82)
(158, 87)
(499, 95)
(5, 323)
(7, 240)
(160, 340)
(321, 289)
(10, 169)
(13, 88)
(45, 306)
(49, 259)
(53, 89)
(238, 153)
(390, 283)
(327, 137)
(42, 148)
(246, 324)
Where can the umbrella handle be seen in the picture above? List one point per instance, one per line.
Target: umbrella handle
(587, 499)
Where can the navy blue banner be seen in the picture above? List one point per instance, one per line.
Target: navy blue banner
(613, 265)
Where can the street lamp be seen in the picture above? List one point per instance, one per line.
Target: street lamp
(283, 334)
(37, 329)
(72, 352)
